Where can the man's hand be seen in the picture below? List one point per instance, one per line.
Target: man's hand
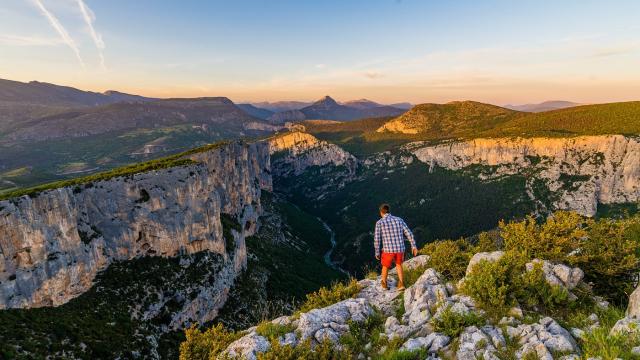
(414, 251)
(377, 257)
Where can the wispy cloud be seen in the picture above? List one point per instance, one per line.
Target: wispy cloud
(19, 40)
(89, 18)
(64, 34)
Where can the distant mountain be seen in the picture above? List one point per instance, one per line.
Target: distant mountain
(448, 120)
(40, 93)
(218, 112)
(328, 109)
(118, 96)
(403, 105)
(286, 116)
(255, 111)
(543, 106)
(280, 106)
(362, 104)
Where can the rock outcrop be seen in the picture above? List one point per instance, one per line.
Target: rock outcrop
(581, 172)
(53, 243)
(296, 151)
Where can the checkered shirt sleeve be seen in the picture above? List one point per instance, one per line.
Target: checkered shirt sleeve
(390, 232)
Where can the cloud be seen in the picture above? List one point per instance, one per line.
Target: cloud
(617, 50)
(59, 29)
(89, 17)
(373, 75)
(19, 40)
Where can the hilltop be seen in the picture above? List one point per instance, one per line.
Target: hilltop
(448, 120)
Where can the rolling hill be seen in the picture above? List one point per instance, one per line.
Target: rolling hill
(543, 106)
(255, 111)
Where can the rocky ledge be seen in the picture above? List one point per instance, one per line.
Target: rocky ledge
(409, 318)
(53, 244)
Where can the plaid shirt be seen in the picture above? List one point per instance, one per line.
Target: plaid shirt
(391, 231)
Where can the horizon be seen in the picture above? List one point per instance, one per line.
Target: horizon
(385, 51)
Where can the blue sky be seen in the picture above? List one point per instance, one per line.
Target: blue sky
(387, 50)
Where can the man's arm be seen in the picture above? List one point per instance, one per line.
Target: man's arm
(377, 238)
(409, 235)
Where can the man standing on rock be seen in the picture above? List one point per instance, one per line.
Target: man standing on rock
(392, 231)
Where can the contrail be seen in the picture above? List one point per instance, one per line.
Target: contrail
(60, 29)
(89, 17)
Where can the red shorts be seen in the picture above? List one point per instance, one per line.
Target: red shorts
(387, 258)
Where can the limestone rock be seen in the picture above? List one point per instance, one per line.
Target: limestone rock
(248, 347)
(317, 323)
(608, 166)
(54, 243)
(633, 310)
(488, 256)
(543, 338)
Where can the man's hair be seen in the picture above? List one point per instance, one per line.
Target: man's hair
(384, 208)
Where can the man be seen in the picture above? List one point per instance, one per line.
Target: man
(392, 231)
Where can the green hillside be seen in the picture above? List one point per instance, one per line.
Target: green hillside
(470, 119)
(599, 119)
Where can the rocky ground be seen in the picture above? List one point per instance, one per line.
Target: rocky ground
(417, 317)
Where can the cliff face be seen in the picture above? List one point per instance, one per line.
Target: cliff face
(295, 151)
(53, 244)
(581, 172)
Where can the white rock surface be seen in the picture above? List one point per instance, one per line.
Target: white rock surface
(487, 256)
(543, 338)
(607, 167)
(54, 243)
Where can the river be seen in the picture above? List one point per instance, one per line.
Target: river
(327, 255)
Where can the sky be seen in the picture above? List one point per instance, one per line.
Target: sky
(501, 52)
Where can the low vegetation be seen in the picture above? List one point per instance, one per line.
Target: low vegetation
(452, 323)
(326, 296)
(208, 344)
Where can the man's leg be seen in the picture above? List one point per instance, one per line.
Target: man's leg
(400, 275)
(385, 272)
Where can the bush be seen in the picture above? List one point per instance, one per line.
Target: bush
(328, 296)
(607, 250)
(452, 323)
(535, 292)
(553, 240)
(206, 345)
(361, 333)
(449, 257)
(491, 285)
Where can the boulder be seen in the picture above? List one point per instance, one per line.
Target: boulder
(433, 342)
(488, 256)
(480, 343)
(547, 334)
(633, 310)
(247, 347)
(333, 319)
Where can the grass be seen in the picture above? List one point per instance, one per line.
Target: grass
(273, 331)
(326, 296)
(452, 323)
(152, 165)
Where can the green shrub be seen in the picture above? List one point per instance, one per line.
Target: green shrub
(552, 240)
(328, 296)
(449, 257)
(491, 285)
(273, 331)
(535, 292)
(607, 250)
(361, 333)
(206, 345)
(452, 323)
(599, 344)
